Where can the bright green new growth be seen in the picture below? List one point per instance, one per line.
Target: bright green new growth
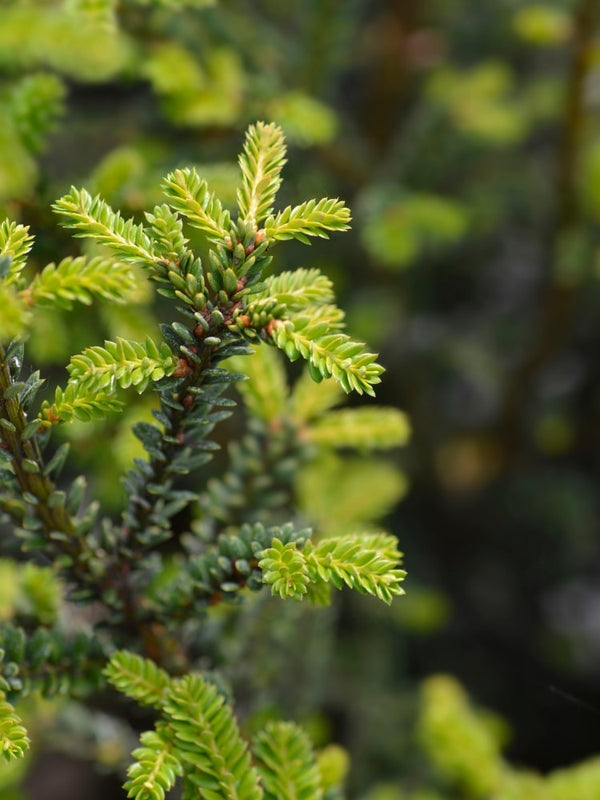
(188, 194)
(297, 290)
(79, 280)
(334, 354)
(73, 280)
(361, 427)
(198, 740)
(73, 403)
(287, 763)
(155, 768)
(294, 311)
(464, 744)
(36, 103)
(365, 563)
(97, 371)
(27, 590)
(138, 678)
(309, 219)
(15, 244)
(93, 217)
(306, 329)
(460, 744)
(14, 741)
(209, 741)
(122, 362)
(261, 163)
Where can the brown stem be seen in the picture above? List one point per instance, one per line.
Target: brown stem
(58, 526)
(55, 518)
(585, 23)
(142, 506)
(558, 301)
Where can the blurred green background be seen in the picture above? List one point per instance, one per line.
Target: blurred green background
(465, 137)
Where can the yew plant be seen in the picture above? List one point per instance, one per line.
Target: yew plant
(144, 575)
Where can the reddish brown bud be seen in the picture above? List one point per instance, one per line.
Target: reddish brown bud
(52, 416)
(182, 369)
(270, 326)
(261, 235)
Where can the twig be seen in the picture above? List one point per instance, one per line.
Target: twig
(558, 301)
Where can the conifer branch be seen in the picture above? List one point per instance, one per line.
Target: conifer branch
(138, 678)
(261, 162)
(367, 563)
(189, 194)
(330, 354)
(208, 739)
(97, 371)
(15, 242)
(166, 231)
(36, 104)
(80, 280)
(16, 434)
(187, 418)
(258, 480)
(197, 736)
(364, 428)
(14, 741)
(283, 429)
(311, 218)
(265, 390)
(226, 568)
(122, 363)
(298, 289)
(92, 217)
(286, 763)
(48, 662)
(223, 304)
(155, 768)
(53, 520)
(285, 570)
(460, 745)
(75, 402)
